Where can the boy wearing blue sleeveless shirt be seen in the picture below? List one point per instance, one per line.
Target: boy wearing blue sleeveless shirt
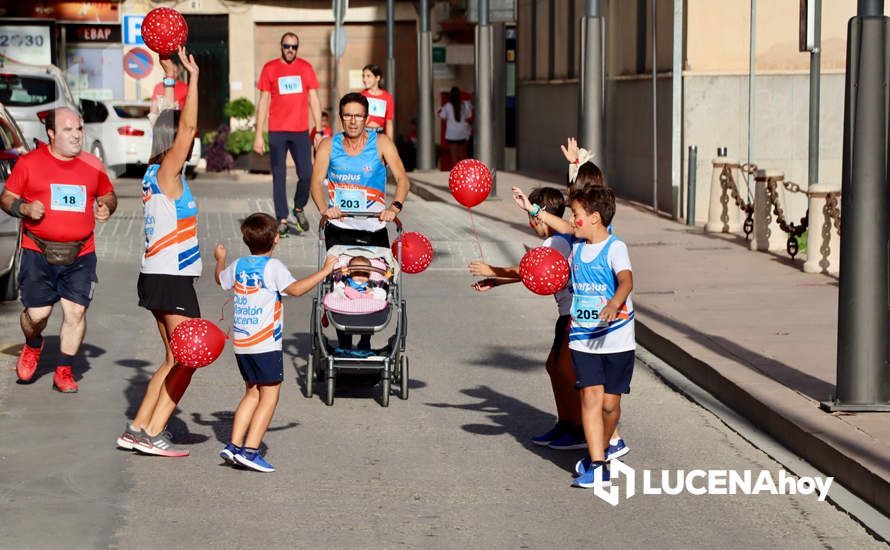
(601, 334)
(258, 281)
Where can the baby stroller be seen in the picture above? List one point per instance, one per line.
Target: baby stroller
(359, 317)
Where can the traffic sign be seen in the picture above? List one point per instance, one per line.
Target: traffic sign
(133, 30)
(138, 63)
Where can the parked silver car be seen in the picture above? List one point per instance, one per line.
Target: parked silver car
(30, 93)
(12, 146)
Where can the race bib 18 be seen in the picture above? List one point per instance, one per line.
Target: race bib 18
(377, 107)
(290, 85)
(350, 200)
(69, 198)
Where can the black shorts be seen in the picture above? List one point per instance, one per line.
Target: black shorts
(261, 368)
(560, 335)
(613, 371)
(169, 294)
(334, 235)
(43, 284)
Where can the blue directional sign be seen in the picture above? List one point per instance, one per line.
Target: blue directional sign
(133, 30)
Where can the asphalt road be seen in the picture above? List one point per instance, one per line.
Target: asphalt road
(451, 467)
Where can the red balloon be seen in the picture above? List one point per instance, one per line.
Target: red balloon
(417, 251)
(544, 270)
(196, 343)
(470, 182)
(164, 30)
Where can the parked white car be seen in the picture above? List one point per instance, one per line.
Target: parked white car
(12, 146)
(30, 92)
(119, 133)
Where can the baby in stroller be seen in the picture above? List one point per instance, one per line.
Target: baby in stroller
(358, 284)
(358, 296)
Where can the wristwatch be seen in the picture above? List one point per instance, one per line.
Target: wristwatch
(398, 205)
(169, 82)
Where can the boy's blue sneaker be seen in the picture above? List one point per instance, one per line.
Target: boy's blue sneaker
(254, 461)
(596, 476)
(582, 466)
(571, 440)
(617, 451)
(557, 431)
(228, 453)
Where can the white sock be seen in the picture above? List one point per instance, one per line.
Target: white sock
(614, 441)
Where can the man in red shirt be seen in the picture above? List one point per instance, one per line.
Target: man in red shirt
(288, 92)
(60, 192)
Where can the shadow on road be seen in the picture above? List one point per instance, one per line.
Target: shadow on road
(135, 390)
(509, 415)
(221, 424)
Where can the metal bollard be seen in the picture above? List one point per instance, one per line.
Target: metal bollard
(823, 238)
(724, 216)
(767, 233)
(690, 185)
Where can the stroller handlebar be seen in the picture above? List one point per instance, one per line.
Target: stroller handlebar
(324, 219)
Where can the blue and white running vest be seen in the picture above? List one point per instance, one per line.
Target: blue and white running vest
(594, 284)
(171, 229)
(357, 183)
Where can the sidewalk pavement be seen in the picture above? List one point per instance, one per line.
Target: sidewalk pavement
(749, 327)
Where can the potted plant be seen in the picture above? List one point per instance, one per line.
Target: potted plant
(239, 142)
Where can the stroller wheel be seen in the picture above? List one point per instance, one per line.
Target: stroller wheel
(329, 395)
(403, 377)
(310, 374)
(384, 391)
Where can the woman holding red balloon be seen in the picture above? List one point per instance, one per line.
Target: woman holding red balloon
(171, 263)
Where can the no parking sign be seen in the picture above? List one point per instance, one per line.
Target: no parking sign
(138, 63)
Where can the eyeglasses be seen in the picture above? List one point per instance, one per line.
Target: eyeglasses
(353, 116)
(293, 47)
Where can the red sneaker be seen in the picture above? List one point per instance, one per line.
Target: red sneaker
(63, 381)
(27, 363)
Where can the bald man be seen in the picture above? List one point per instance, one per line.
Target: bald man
(59, 192)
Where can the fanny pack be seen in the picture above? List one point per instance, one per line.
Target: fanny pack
(58, 253)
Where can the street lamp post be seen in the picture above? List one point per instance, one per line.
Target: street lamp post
(863, 371)
(484, 93)
(425, 134)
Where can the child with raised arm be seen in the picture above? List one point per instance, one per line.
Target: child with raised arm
(567, 432)
(601, 335)
(259, 281)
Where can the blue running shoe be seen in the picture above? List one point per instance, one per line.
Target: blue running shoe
(582, 466)
(228, 453)
(617, 451)
(254, 461)
(571, 440)
(557, 431)
(596, 476)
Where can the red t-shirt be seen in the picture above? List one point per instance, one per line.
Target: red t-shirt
(180, 90)
(325, 132)
(67, 189)
(380, 107)
(289, 85)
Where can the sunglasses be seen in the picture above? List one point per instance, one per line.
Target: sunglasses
(293, 47)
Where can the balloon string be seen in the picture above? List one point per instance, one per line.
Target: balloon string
(222, 316)
(476, 235)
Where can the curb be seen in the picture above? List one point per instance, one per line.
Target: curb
(240, 176)
(868, 486)
(418, 187)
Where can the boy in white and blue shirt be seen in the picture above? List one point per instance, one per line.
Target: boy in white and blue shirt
(601, 334)
(258, 281)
